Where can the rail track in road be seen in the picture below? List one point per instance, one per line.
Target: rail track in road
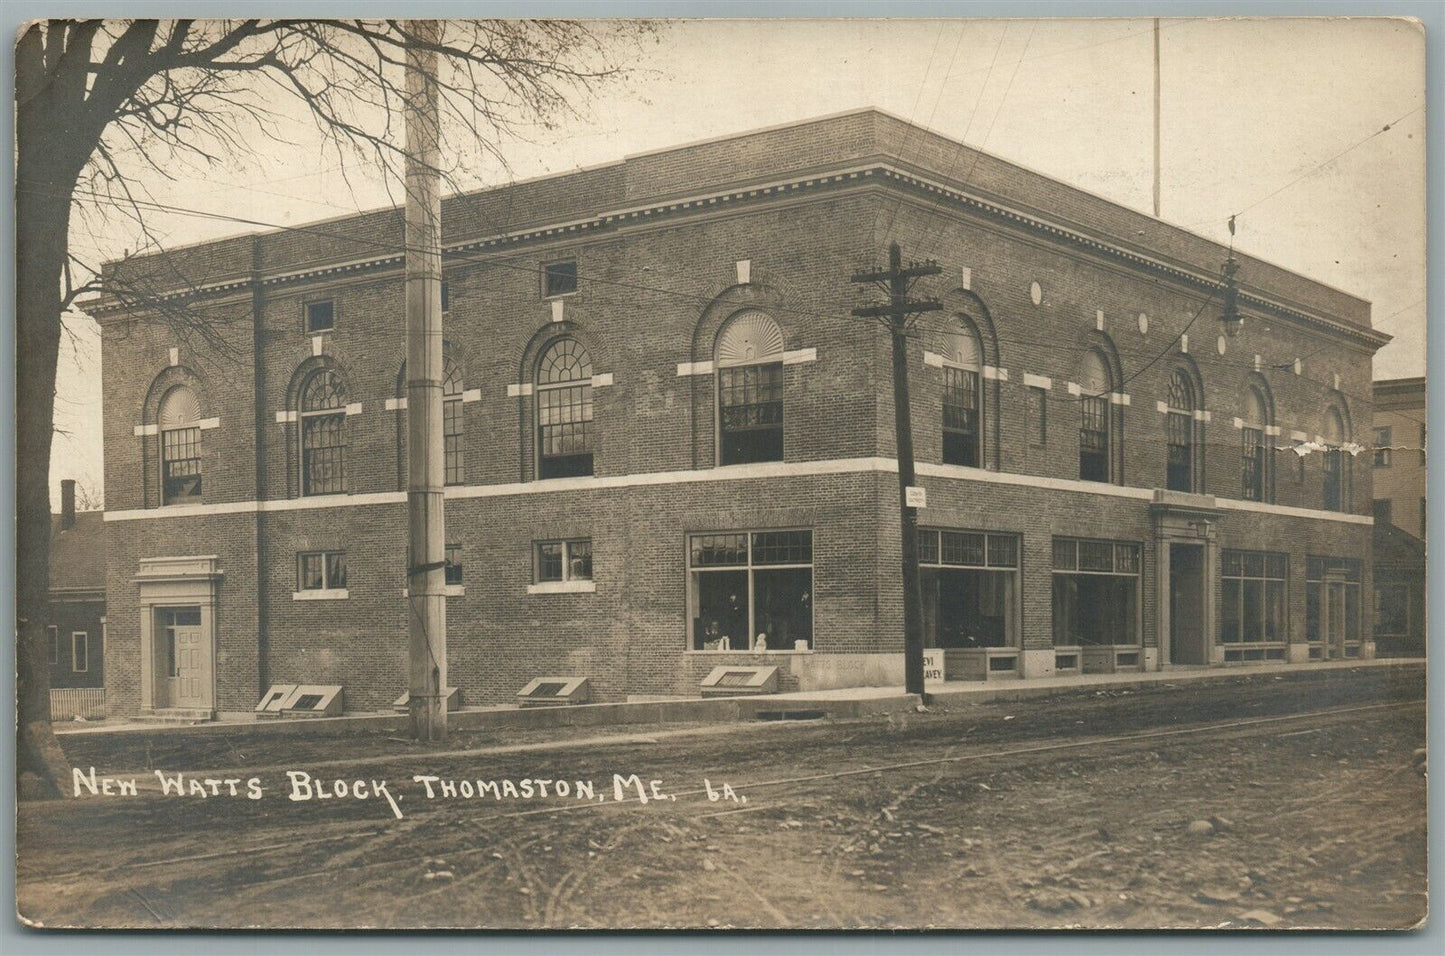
(275, 860)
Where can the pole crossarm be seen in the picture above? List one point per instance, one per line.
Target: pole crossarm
(898, 310)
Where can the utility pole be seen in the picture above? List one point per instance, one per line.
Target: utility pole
(897, 317)
(426, 523)
(1156, 119)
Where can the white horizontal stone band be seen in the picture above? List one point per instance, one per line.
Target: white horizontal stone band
(1271, 430)
(321, 594)
(285, 417)
(995, 373)
(1163, 407)
(799, 356)
(562, 587)
(764, 470)
(1038, 381)
(1203, 415)
(1119, 398)
(694, 368)
(1298, 436)
(395, 404)
(472, 395)
(354, 408)
(142, 430)
(1237, 422)
(206, 424)
(519, 391)
(600, 381)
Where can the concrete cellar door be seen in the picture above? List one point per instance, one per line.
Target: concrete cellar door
(1187, 643)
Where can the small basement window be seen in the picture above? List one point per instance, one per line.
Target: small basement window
(559, 278)
(320, 316)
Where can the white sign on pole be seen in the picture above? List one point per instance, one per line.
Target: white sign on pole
(915, 496)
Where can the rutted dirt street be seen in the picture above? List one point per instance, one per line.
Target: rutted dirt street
(1088, 810)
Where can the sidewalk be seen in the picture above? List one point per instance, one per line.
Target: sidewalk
(838, 704)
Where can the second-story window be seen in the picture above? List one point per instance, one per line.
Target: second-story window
(1384, 438)
(1256, 455)
(1095, 385)
(749, 360)
(1179, 425)
(323, 434)
(962, 399)
(179, 421)
(1336, 463)
(565, 434)
(452, 422)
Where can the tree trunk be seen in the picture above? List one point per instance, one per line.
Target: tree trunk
(42, 221)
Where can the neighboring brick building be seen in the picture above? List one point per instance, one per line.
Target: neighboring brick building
(77, 610)
(1399, 507)
(667, 434)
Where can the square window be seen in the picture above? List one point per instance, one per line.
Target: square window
(559, 278)
(320, 570)
(564, 560)
(320, 316)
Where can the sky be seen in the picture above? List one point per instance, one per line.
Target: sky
(1278, 121)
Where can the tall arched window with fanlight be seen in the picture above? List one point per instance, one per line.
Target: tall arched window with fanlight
(1256, 456)
(1179, 427)
(749, 361)
(1336, 462)
(323, 434)
(1095, 384)
(962, 398)
(452, 421)
(565, 433)
(179, 421)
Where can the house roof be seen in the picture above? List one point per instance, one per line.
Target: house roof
(77, 553)
(1398, 549)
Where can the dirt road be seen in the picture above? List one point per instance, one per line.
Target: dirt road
(1264, 802)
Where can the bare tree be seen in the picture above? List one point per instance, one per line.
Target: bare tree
(99, 101)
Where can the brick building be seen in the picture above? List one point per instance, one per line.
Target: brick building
(76, 624)
(670, 445)
(1399, 509)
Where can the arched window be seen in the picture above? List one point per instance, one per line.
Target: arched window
(179, 421)
(1095, 384)
(565, 437)
(749, 360)
(1179, 426)
(456, 471)
(1336, 464)
(1256, 458)
(962, 398)
(323, 434)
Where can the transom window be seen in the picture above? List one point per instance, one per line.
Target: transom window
(323, 434)
(970, 588)
(564, 560)
(320, 570)
(1096, 592)
(179, 422)
(1256, 457)
(749, 360)
(751, 591)
(1180, 428)
(1252, 597)
(1094, 448)
(564, 411)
